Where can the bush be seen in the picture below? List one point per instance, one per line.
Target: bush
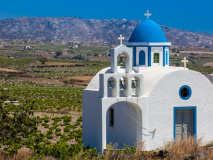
(59, 150)
(58, 130)
(67, 119)
(67, 129)
(43, 60)
(78, 133)
(13, 149)
(19, 124)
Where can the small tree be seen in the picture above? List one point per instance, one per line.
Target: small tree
(43, 60)
(66, 82)
(17, 125)
(58, 53)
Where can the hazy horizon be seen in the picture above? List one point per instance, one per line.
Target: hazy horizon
(186, 15)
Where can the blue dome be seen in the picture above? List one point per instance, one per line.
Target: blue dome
(148, 31)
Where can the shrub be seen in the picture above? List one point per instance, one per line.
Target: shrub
(13, 149)
(66, 129)
(46, 119)
(58, 134)
(20, 123)
(43, 60)
(67, 119)
(78, 133)
(58, 130)
(49, 136)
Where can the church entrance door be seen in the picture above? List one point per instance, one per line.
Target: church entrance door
(184, 123)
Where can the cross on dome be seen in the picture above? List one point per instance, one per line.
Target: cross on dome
(147, 14)
(121, 39)
(184, 61)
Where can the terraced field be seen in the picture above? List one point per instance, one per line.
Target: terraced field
(53, 94)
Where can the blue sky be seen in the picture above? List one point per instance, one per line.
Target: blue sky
(192, 15)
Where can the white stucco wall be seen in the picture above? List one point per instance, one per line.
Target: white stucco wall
(89, 114)
(160, 94)
(165, 96)
(94, 83)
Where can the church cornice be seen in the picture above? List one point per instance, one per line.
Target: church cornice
(142, 44)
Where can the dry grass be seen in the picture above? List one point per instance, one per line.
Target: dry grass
(185, 149)
(19, 156)
(182, 147)
(190, 148)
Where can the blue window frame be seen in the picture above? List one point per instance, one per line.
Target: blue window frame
(166, 57)
(194, 119)
(185, 92)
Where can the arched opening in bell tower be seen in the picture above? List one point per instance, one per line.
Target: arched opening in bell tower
(122, 59)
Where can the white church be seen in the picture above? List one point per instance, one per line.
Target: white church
(146, 100)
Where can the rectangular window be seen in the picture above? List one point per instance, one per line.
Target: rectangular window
(111, 117)
(156, 57)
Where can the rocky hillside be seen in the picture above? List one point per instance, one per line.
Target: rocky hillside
(90, 31)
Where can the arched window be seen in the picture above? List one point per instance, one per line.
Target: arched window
(111, 117)
(142, 58)
(166, 57)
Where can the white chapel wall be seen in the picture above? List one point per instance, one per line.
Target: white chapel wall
(165, 96)
(89, 110)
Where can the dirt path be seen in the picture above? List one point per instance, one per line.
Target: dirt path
(10, 70)
(47, 81)
(208, 64)
(79, 81)
(71, 113)
(48, 64)
(81, 78)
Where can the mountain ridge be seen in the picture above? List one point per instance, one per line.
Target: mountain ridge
(90, 31)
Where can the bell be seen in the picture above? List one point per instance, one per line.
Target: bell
(121, 61)
(133, 85)
(122, 86)
(110, 85)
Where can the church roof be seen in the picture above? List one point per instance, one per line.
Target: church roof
(148, 31)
